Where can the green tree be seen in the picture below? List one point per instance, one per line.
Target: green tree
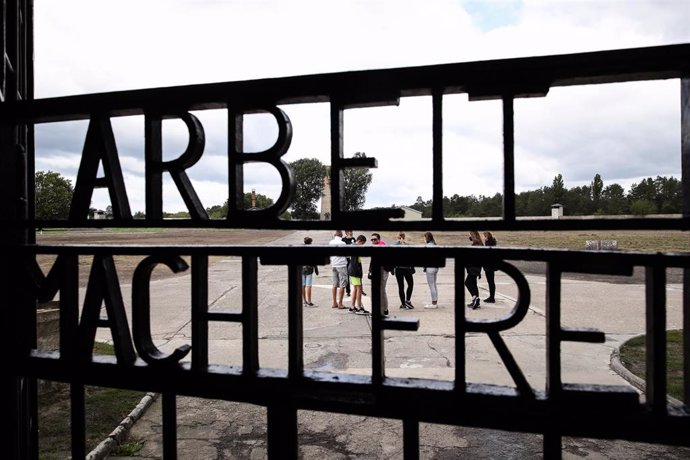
(613, 199)
(534, 202)
(645, 190)
(53, 195)
(262, 201)
(578, 200)
(558, 189)
(650, 196)
(422, 206)
(663, 192)
(490, 206)
(454, 206)
(218, 211)
(474, 207)
(357, 181)
(642, 207)
(597, 190)
(309, 174)
(669, 195)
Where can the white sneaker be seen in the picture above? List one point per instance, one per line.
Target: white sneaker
(431, 306)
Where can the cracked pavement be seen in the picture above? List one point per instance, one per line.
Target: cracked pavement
(335, 340)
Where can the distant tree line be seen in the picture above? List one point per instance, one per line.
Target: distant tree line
(662, 195)
(651, 196)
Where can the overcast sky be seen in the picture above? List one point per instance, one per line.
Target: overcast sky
(623, 132)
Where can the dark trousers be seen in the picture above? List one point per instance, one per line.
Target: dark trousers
(347, 287)
(490, 280)
(402, 275)
(471, 284)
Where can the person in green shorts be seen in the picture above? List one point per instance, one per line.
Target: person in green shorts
(354, 271)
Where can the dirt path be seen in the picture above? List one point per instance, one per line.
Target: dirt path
(171, 237)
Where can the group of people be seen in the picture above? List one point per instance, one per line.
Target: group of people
(347, 274)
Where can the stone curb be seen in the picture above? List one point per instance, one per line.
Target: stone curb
(119, 434)
(634, 380)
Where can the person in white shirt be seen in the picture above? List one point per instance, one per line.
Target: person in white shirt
(339, 268)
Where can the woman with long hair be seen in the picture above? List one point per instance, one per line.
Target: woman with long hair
(473, 273)
(431, 274)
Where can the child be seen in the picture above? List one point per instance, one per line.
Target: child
(307, 273)
(354, 271)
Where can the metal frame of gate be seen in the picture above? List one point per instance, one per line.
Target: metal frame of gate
(561, 410)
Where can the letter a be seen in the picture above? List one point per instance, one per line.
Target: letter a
(104, 287)
(99, 146)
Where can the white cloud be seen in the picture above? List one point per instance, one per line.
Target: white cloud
(630, 131)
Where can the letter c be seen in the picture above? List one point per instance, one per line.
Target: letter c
(141, 310)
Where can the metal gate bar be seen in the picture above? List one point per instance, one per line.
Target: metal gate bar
(562, 410)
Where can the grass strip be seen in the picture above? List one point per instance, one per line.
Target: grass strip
(633, 354)
(105, 409)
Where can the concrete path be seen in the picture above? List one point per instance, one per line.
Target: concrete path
(340, 341)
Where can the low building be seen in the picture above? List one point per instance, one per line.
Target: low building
(410, 214)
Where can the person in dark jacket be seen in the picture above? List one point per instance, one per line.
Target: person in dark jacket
(490, 269)
(474, 272)
(348, 239)
(404, 274)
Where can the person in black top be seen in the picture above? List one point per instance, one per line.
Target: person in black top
(490, 269)
(348, 239)
(402, 274)
(474, 272)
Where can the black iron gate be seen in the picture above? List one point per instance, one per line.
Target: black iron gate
(563, 409)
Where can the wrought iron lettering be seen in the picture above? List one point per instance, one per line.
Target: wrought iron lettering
(99, 146)
(272, 156)
(492, 328)
(563, 409)
(141, 310)
(155, 166)
(104, 288)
